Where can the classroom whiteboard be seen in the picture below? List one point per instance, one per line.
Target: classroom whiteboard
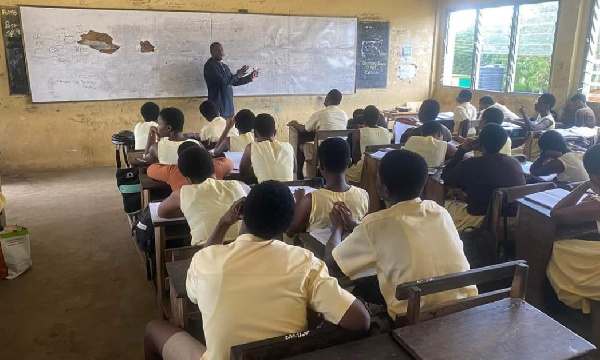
(87, 54)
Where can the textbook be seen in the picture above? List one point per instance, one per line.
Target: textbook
(548, 198)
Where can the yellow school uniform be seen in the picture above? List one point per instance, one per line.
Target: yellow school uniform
(273, 160)
(368, 137)
(356, 199)
(2, 202)
(204, 204)
(214, 129)
(412, 240)
(463, 112)
(574, 170)
(239, 143)
(461, 217)
(253, 289)
(431, 149)
(167, 151)
(140, 133)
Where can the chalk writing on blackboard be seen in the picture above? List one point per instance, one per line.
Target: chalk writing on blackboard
(372, 55)
(15, 55)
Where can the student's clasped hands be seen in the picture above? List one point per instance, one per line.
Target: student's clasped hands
(342, 216)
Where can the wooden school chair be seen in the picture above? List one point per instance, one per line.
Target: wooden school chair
(504, 206)
(297, 139)
(463, 128)
(321, 135)
(414, 290)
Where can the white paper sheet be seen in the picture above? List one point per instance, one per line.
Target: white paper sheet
(154, 214)
(236, 157)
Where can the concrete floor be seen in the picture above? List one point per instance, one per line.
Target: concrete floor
(86, 296)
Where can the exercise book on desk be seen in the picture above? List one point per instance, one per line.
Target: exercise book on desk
(154, 214)
(236, 157)
(307, 189)
(548, 198)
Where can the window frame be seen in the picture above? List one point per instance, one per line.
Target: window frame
(513, 47)
(591, 42)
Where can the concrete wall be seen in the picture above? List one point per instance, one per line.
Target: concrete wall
(572, 27)
(66, 135)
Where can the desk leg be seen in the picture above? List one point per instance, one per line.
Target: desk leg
(159, 246)
(534, 240)
(368, 181)
(178, 310)
(595, 314)
(145, 198)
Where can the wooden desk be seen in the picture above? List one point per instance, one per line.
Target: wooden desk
(235, 175)
(505, 329)
(373, 348)
(312, 244)
(535, 235)
(177, 271)
(153, 190)
(297, 139)
(435, 189)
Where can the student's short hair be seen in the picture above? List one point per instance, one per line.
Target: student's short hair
(466, 94)
(371, 115)
(196, 163)
(244, 121)
(487, 100)
(493, 116)
(431, 128)
(173, 117)
(579, 97)
(492, 138)
(553, 140)
(209, 110)
(548, 99)
(335, 97)
(214, 45)
(591, 160)
(358, 112)
(334, 154)
(264, 125)
(430, 109)
(404, 173)
(186, 145)
(269, 209)
(150, 111)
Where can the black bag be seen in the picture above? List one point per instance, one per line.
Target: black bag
(123, 140)
(144, 232)
(128, 182)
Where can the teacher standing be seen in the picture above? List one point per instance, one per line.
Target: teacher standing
(220, 80)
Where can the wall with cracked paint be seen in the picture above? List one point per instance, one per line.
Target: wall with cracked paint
(66, 135)
(567, 62)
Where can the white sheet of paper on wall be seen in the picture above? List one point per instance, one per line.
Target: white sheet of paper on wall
(407, 71)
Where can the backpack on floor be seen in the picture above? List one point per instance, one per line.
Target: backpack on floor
(144, 232)
(123, 140)
(128, 182)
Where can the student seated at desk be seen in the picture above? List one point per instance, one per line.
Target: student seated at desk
(370, 134)
(164, 140)
(430, 145)
(573, 270)
(413, 239)
(206, 199)
(357, 119)
(577, 113)
(557, 158)
(464, 111)
(545, 119)
(216, 124)
(172, 176)
(330, 118)
(429, 111)
(478, 177)
(244, 123)
(267, 158)
(149, 113)
(491, 116)
(254, 288)
(312, 210)
(487, 102)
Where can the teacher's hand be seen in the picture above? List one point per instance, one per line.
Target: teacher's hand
(241, 72)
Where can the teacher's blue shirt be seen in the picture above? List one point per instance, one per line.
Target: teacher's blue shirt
(220, 82)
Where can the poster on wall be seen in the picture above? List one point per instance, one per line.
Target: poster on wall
(15, 54)
(372, 54)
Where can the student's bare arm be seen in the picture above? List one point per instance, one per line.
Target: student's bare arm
(170, 207)
(544, 166)
(356, 318)
(450, 151)
(233, 215)
(567, 211)
(151, 157)
(246, 162)
(222, 148)
(296, 125)
(229, 125)
(301, 216)
(152, 138)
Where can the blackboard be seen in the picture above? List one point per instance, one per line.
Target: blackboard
(372, 54)
(15, 54)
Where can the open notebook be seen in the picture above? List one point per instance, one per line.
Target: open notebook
(548, 198)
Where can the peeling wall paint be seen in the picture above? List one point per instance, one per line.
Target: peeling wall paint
(67, 135)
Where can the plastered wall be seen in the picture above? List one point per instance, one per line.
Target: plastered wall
(67, 135)
(572, 27)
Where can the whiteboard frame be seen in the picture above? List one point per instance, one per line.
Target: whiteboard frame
(183, 11)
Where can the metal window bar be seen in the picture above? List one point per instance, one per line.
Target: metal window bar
(513, 51)
(476, 50)
(591, 72)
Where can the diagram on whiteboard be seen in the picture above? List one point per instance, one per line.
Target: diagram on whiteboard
(83, 54)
